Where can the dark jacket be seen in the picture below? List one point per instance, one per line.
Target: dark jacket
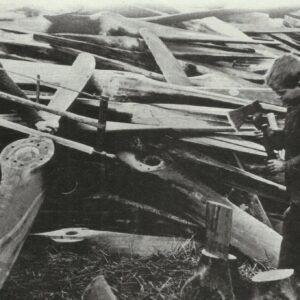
(289, 139)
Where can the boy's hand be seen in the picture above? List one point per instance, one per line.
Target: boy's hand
(259, 134)
(47, 126)
(276, 166)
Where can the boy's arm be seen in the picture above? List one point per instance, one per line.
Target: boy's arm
(276, 138)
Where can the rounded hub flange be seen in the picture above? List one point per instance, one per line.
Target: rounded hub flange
(32, 152)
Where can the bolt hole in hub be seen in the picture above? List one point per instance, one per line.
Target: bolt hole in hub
(26, 153)
(73, 232)
(152, 161)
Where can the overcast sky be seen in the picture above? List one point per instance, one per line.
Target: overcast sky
(69, 4)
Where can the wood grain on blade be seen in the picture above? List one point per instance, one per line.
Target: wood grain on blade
(78, 76)
(166, 61)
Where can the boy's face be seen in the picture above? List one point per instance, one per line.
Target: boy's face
(280, 92)
(288, 96)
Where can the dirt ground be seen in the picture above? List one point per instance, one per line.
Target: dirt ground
(46, 270)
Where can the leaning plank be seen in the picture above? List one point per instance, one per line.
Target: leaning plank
(98, 289)
(202, 54)
(220, 12)
(226, 145)
(29, 131)
(143, 207)
(223, 28)
(291, 21)
(138, 89)
(80, 73)
(251, 198)
(285, 39)
(250, 236)
(121, 243)
(21, 195)
(27, 103)
(113, 64)
(262, 28)
(232, 176)
(167, 63)
(122, 42)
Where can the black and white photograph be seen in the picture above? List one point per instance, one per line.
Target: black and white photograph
(149, 150)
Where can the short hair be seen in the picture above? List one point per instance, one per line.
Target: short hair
(284, 73)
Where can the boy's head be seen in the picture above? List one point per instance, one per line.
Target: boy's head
(284, 73)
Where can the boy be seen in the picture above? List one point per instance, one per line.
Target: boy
(283, 78)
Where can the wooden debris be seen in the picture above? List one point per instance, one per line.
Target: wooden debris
(229, 144)
(62, 141)
(113, 64)
(21, 194)
(113, 24)
(144, 90)
(81, 71)
(219, 12)
(213, 274)
(169, 66)
(147, 208)
(230, 175)
(98, 289)
(248, 234)
(164, 85)
(274, 284)
(121, 243)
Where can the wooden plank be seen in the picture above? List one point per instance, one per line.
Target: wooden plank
(218, 229)
(98, 289)
(263, 28)
(21, 195)
(291, 21)
(54, 74)
(168, 64)
(276, 283)
(213, 271)
(80, 73)
(136, 44)
(232, 176)
(210, 142)
(122, 42)
(114, 24)
(141, 206)
(121, 243)
(248, 234)
(285, 39)
(113, 64)
(133, 57)
(201, 54)
(27, 103)
(26, 130)
(149, 91)
(218, 26)
(219, 12)
(252, 200)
